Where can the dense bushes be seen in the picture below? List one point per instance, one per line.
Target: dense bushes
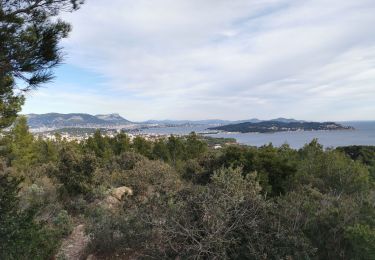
(364, 154)
(189, 201)
(75, 171)
(22, 234)
(227, 218)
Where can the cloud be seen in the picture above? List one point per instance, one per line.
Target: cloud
(229, 58)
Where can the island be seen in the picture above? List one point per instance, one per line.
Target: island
(277, 126)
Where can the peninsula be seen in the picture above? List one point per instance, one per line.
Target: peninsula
(278, 126)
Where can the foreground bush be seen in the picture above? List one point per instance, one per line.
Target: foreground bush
(226, 219)
(21, 236)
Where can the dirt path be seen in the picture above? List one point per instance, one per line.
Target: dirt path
(73, 247)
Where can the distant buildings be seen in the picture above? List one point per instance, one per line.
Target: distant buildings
(81, 136)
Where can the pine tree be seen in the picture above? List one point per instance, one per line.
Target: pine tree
(29, 48)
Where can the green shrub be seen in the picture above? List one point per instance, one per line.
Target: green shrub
(362, 241)
(63, 223)
(21, 236)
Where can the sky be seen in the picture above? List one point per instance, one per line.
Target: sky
(210, 59)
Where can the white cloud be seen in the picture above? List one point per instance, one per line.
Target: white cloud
(230, 58)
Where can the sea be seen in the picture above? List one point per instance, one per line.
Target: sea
(364, 134)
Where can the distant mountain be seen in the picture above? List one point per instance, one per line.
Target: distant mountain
(280, 126)
(56, 120)
(112, 118)
(198, 122)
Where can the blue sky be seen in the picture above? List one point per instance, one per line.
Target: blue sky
(229, 59)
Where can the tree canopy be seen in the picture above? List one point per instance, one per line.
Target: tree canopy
(29, 48)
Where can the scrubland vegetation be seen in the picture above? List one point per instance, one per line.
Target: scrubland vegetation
(187, 200)
(181, 199)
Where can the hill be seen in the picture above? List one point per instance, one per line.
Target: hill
(280, 126)
(56, 120)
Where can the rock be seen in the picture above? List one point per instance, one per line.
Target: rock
(110, 202)
(113, 201)
(121, 192)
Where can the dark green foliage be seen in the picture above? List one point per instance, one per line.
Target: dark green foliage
(194, 146)
(20, 145)
(237, 156)
(200, 170)
(275, 168)
(63, 223)
(8, 190)
(331, 172)
(120, 144)
(20, 236)
(29, 39)
(323, 219)
(142, 146)
(75, 171)
(46, 151)
(364, 154)
(362, 241)
(176, 149)
(10, 103)
(100, 146)
(160, 151)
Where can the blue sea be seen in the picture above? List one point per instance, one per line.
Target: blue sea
(364, 134)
